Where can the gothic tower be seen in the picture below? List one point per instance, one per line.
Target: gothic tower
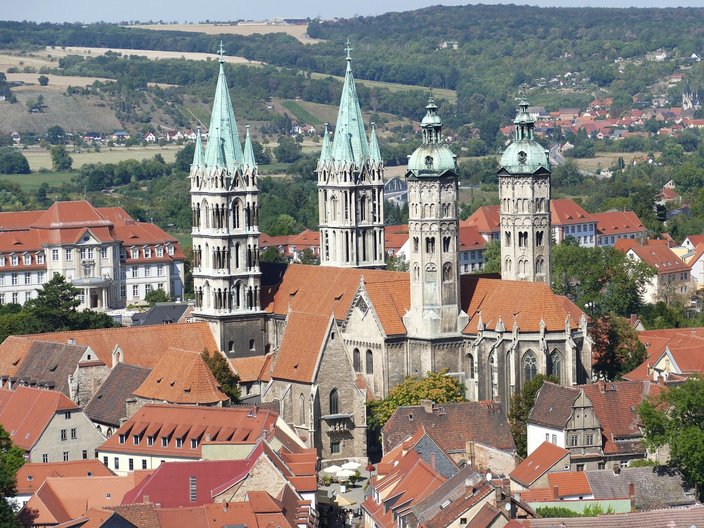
(224, 203)
(524, 194)
(351, 188)
(433, 226)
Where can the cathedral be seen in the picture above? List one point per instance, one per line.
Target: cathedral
(331, 337)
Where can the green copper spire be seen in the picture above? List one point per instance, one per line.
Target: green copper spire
(222, 134)
(374, 151)
(198, 158)
(432, 157)
(350, 126)
(326, 151)
(524, 155)
(249, 160)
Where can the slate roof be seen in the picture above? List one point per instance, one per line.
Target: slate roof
(538, 463)
(163, 313)
(49, 364)
(553, 405)
(451, 426)
(32, 475)
(107, 406)
(28, 411)
(181, 377)
(670, 518)
(654, 487)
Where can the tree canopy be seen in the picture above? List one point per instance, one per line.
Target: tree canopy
(521, 404)
(616, 349)
(11, 460)
(227, 380)
(12, 161)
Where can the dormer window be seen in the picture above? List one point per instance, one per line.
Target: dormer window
(179, 442)
(122, 438)
(160, 252)
(40, 258)
(28, 260)
(134, 253)
(2, 261)
(14, 260)
(171, 250)
(147, 252)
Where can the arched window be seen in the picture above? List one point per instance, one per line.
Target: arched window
(555, 365)
(356, 360)
(334, 404)
(530, 366)
(470, 366)
(370, 362)
(301, 409)
(540, 265)
(507, 265)
(416, 272)
(507, 238)
(447, 272)
(494, 379)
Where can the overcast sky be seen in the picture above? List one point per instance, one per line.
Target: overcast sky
(190, 11)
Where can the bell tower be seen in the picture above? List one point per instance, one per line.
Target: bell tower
(524, 195)
(433, 227)
(351, 188)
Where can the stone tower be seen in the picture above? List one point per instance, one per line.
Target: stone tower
(351, 188)
(433, 226)
(524, 194)
(224, 203)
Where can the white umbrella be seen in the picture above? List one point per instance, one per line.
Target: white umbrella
(332, 469)
(354, 466)
(344, 474)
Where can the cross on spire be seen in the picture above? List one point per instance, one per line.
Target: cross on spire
(348, 48)
(221, 51)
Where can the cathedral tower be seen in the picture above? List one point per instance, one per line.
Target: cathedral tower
(524, 194)
(351, 188)
(225, 210)
(433, 226)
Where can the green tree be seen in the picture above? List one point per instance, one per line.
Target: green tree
(156, 296)
(616, 348)
(436, 386)
(676, 418)
(184, 158)
(12, 161)
(272, 254)
(55, 305)
(227, 380)
(492, 257)
(60, 158)
(56, 135)
(41, 195)
(521, 404)
(287, 150)
(307, 256)
(43, 80)
(11, 460)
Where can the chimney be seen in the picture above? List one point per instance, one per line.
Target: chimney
(427, 405)
(632, 495)
(617, 468)
(556, 492)
(145, 499)
(650, 369)
(71, 341)
(225, 506)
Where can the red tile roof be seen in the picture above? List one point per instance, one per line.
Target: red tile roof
(470, 238)
(618, 222)
(538, 463)
(661, 257)
(570, 483)
(485, 219)
(28, 411)
(255, 368)
(565, 211)
(686, 346)
(181, 377)
(32, 475)
(301, 347)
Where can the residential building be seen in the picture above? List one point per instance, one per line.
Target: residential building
(615, 225)
(533, 471)
(568, 219)
(672, 282)
(254, 373)
(471, 251)
(112, 259)
(674, 354)
(47, 425)
(682, 518)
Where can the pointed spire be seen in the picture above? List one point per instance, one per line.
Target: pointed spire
(343, 150)
(326, 151)
(223, 133)
(374, 151)
(349, 120)
(249, 160)
(198, 158)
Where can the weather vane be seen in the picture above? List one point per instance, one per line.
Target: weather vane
(348, 49)
(222, 52)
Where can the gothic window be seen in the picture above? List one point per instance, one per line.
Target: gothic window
(333, 209)
(522, 238)
(540, 266)
(430, 244)
(236, 215)
(494, 380)
(526, 205)
(470, 366)
(356, 360)
(507, 238)
(555, 365)
(447, 272)
(416, 273)
(370, 362)
(446, 243)
(430, 274)
(301, 409)
(530, 366)
(415, 244)
(363, 209)
(507, 265)
(539, 238)
(334, 403)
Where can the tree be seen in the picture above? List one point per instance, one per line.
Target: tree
(155, 296)
(436, 386)
(616, 348)
(11, 460)
(521, 404)
(55, 304)
(272, 254)
(676, 418)
(226, 378)
(184, 158)
(60, 158)
(492, 257)
(56, 135)
(307, 256)
(287, 150)
(43, 80)
(12, 161)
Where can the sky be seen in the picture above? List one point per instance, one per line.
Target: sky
(190, 11)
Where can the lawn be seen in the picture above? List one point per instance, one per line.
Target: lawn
(40, 158)
(29, 183)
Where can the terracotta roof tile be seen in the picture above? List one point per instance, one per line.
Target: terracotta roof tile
(670, 518)
(538, 463)
(301, 346)
(565, 211)
(662, 258)
(570, 483)
(181, 377)
(12, 351)
(485, 219)
(32, 475)
(618, 222)
(254, 368)
(141, 515)
(470, 238)
(107, 406)
(485, 517)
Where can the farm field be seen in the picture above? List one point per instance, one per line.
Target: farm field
(40, 158)
(150, 54)
(297, 31)
(604, 160)
(29, 183)
(56, 82)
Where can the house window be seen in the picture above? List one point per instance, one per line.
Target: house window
(65, 456)
(82, 253)
(193, 488)
(74, 434)
(105, 461)
(580, 467)
(103, 252)
(55, 255)
(28, 260)
(63, 435)
(334, 403)
(14, 260)
(45, 458)
(160, 252)
(370, 362)
(84, 454)
(134, 253)
(90, 253)
(144, 463)
(601, 465)
(135, 290)
(463, 520)
(28, 278)
(67, 415)
(40, 277)
(135, 439)
(2, 261)
(194, 443)
(135, 272)
(122, 438)
(147, 252)
(160, 271)
(123, 291)
(130, 464)
(334, 447)
(147, 271)
(117, 462)
(150, 440)
(179, 442)
(590, 439)
(15, 298)
(554, 439)
(171, 250)
(15, 279)
(574, 440)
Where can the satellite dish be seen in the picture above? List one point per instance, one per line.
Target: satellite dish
(489, 476)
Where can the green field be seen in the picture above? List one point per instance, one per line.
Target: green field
(450, 95)
(40, 158)
(31, 182)
(301, 113)
(184, 237)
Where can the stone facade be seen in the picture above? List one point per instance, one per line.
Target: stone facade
(69, 436)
